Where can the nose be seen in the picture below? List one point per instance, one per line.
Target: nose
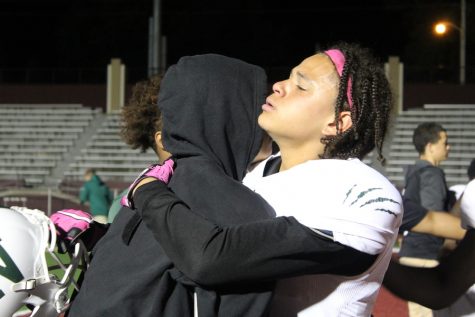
(278, 88)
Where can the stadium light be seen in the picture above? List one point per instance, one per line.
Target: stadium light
(441, 28)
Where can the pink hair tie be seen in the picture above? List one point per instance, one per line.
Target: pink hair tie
(338, 60)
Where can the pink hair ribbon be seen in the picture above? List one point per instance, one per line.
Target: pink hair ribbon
(338, 60)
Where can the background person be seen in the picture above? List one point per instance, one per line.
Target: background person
(425, 185)
(97, 194)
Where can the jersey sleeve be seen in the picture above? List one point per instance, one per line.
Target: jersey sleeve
(368, 219)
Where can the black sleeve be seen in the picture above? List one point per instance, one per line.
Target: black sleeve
(440, 286)
(413, 214)
(262, 250)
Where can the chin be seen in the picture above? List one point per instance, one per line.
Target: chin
(261, 120)
(265, 122)
(265, 125)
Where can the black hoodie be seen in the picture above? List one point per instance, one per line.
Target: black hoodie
(210, 105)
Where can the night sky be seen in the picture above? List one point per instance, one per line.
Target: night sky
(277, 34)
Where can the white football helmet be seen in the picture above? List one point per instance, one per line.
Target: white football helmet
(25, 237)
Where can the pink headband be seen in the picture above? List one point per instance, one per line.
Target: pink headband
(338, 60)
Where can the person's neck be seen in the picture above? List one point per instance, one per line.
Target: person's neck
(293, 154)
(429, 159)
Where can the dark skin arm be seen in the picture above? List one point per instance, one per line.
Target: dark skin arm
(437, 287)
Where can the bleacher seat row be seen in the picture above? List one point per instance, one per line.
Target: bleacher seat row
(109, 155)
(36, 139)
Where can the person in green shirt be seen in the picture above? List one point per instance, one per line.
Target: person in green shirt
(97, 194)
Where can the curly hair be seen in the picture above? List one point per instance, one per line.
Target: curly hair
(372, 102)
(141, 117)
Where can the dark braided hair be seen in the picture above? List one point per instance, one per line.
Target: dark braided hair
(372, 102)
(141, 116)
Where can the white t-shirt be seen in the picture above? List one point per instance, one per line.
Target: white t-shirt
(458, 190)
(467, 204)
(352, 200)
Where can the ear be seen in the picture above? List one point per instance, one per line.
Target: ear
(161, 152)
(158, 141)
(428, 148)
(344, 123)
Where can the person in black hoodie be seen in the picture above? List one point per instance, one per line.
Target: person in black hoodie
(210, 104)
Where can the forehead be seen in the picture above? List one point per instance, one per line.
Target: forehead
(316, 67)
(442, 136)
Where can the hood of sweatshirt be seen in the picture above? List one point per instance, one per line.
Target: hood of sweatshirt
(210, 104)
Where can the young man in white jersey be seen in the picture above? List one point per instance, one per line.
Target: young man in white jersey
(342, 216)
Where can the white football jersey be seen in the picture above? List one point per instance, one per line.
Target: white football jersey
(358, 205)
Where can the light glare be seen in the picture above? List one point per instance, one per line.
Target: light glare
(440, 28)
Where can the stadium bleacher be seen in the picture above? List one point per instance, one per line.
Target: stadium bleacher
(109, 155)
(45, 145)
(36, 138)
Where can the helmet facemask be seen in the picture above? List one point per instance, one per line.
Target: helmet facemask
(28, 238)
